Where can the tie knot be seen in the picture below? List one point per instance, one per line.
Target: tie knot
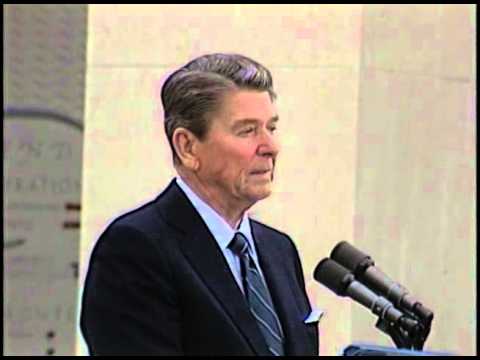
(238, 244)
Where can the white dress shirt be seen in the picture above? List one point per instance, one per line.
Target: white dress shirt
(222, 231)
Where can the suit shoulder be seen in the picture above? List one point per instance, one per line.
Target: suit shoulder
(267, 228)
(139, 236)
(270, 231)
(144, 219)
(136, 231)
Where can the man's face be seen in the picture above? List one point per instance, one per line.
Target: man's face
(237, 156)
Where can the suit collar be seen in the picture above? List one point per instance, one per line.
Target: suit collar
(220, 229)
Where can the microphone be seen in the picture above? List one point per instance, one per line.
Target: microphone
(365, 271)
(342, 282)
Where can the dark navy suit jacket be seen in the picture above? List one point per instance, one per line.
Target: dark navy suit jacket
(158, 284)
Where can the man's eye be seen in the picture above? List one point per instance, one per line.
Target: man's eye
(272, 129)
(247, 131)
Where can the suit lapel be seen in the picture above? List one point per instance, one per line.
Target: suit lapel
(280, 286)
(206, 258)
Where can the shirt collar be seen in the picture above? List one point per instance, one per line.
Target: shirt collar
(220, 229)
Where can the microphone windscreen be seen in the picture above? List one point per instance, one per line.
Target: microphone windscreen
(348, 256)
(333, 276)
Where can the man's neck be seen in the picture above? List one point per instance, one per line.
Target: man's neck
(231, 212)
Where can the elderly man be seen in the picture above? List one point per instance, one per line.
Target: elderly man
(189, 273)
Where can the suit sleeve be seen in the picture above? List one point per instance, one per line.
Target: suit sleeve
(129, 304)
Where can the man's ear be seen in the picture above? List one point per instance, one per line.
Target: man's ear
(186, 144)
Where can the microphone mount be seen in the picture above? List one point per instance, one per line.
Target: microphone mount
(406, 328)
(412, 330)
(364, 270)
(405, 339)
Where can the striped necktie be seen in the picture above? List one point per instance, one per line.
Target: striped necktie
(258, 297)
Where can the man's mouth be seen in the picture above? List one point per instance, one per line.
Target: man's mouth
(261, 172)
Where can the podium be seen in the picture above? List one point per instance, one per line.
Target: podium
(375, 350)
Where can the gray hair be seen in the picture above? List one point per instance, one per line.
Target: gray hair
(194, 92)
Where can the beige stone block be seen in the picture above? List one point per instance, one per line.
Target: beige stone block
(457, 38)
(415, 198)
(428, 39)
(277, 35)
(383, 157)
(401, 38)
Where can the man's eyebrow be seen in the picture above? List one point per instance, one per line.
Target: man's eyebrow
(242, 122)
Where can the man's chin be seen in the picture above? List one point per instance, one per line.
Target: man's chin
(261, 192)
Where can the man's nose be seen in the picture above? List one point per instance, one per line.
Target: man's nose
(269, 144)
